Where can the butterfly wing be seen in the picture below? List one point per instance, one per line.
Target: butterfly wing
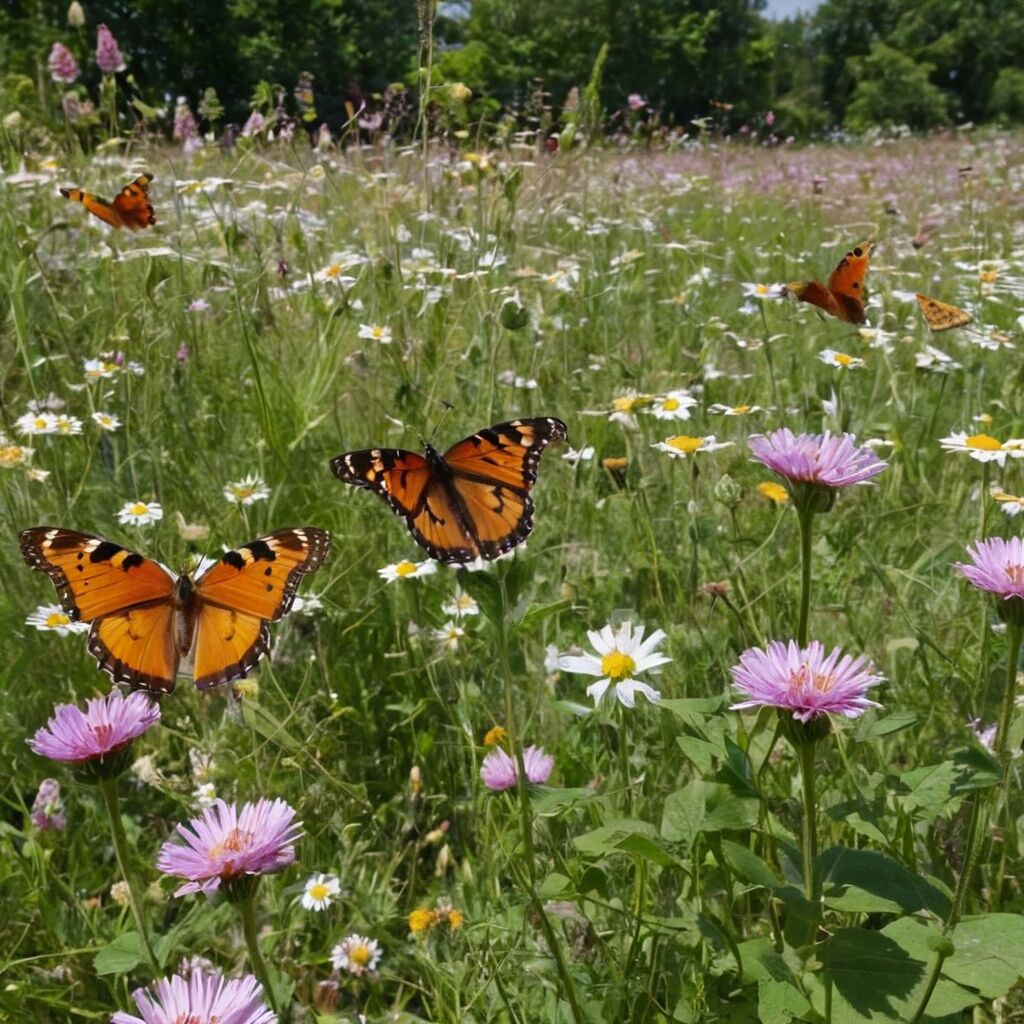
(941, 316)
(492, 474)
(242, 592)
(398, 476)
(96, 205)
(128, 598)
(132, 204)
(814, 292)
(846, 283)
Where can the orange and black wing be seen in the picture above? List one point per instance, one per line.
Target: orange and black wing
(941, 316)
(128, 599)
(843, 297)
(242, 592)
(131, 207)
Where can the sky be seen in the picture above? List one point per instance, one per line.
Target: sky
(787, 8)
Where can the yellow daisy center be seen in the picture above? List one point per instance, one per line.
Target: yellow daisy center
(378, 331)
(244, 492)
(405, 568)
(40, 423)
(984, 442)
(989, 276)
(687, 445)
(139, 509)
(739, 410)
(56, 619)
(762, 289)
(360, 955)
(617, 665)
(670, 404)
(334, 270)
(842, 359)
(319, 892)
(624, 404)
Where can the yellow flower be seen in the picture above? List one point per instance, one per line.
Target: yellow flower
(422, 920)
(773, 492)
(495, 735)
(455, 919)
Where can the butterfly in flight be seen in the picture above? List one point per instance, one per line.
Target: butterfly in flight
(131, 207)
(941, 316)
(145, 620)
(473, 501)
(843, 296)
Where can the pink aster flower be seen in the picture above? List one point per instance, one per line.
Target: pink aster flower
(108, 53)
(636, 101)
(205, 997)
(106, 727)
(62, 64)
(826, 460)
(226, 843)
(807, 682)
(48, 808)
(998, 566)
(500, 771)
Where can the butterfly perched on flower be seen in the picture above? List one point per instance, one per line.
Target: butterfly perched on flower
(941, 316)
(145, 620)
(843, 296)
(131, 207)
(473, 501)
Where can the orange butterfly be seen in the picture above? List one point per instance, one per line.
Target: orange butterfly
(145, 619)
(131, 207)
(843, 297)
(473, 501)
(941, 316)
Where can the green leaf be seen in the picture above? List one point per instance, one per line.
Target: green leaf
(706, 807)
(746, 864)
(625, 836)
(778, 1002)
(538, 613)
(928, 789)
(989, 953)
(978, 769)
(122, 955)
(866, 881)
(873, 728)
(700, 752)
(555, 886)
(692, 709)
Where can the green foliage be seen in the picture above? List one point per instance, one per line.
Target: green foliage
(892, 90)
(1007, 100)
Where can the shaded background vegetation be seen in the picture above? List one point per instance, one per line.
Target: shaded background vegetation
(852, 63)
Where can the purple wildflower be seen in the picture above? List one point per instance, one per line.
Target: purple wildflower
(226, 843)
(185, 129)
(636, 101)
(807, 682)
(500, 771)
(254, 125)
(108, 53)
(203, 998)
(998, 566)
(822, 459)
(62, 64)
(182, 354)
(107, 726)
(47, 808)
(769, 118)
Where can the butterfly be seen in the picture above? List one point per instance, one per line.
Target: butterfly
(473, 501)
(131, 207)
(941, 316)
(843, 297)
(145, 619)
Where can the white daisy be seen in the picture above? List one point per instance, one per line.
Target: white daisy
(52, 617)
(675, 405)
(357, 955)
(106, 420)
(97, 369)
(682, 445)
(68, 424)
(37, 423)
(37, 475)
(1011, 504)
(733, 410)
(319, 891)
(574, 456)
(621, 654)
(407, 570)
(981, 447)
(204, 795)
(460, 606)
(840, 360)
(449, 635)
(754, 290)
(375, 332)
(247, 491)
(140, 513)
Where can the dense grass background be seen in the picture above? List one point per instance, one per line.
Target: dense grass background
(630, 268)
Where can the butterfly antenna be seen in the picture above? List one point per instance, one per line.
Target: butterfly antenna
(448, 407)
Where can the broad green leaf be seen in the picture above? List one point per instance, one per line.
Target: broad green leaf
(978, 769)
(928, 789)
(122, 955)
(778, 1002)
(555, 886)
(548, 801)
(867, 881)
(706, 807)
(700, 752)
(538, 613)
(875, 727)
(762, 962)
(989, 953)
(746, 864)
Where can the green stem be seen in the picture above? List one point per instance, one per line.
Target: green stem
(809, 846)
(526, 817)
(259, 966)
(108, 787)
(624, 759)
(1014, 635)
(806, 519)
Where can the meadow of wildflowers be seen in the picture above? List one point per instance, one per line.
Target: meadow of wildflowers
(440, 798)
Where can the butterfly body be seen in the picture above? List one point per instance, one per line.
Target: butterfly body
(130, 208)
(843, 296)
(471, 502)
(146, 620)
